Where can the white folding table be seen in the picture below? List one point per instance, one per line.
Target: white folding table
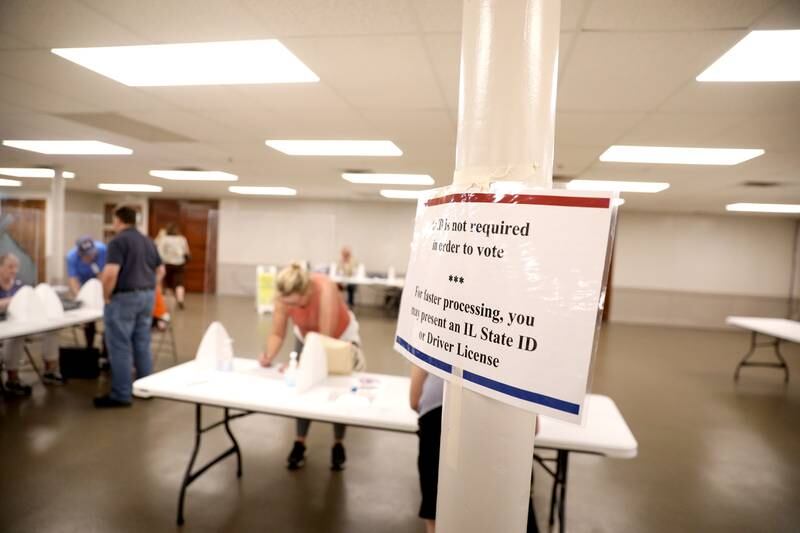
(777, 330)
(375, 401)
(11, 328)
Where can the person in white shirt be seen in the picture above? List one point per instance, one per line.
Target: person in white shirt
(174, 251)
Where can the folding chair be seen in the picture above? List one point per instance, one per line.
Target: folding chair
(160, 337)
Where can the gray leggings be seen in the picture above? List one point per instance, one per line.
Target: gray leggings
(303, 424)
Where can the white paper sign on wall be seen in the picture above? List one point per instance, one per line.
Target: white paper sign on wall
(508, 288)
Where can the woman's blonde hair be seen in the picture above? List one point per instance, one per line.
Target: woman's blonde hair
(293, 279)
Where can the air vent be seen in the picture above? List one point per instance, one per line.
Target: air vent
(122, 125)
(761, 184)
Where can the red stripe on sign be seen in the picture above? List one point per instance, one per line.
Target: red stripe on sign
(531, 199)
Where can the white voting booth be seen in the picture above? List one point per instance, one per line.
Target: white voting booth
(322, 356)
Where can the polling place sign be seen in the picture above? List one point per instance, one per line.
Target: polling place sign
(507, 287)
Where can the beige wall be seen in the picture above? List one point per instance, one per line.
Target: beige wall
(275, 232)
(694, 270)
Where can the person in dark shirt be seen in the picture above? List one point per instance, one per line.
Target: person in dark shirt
(133, 267)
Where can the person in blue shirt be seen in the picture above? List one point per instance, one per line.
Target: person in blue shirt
(84, 262)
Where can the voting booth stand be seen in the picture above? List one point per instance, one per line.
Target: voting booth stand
(506, 278)
(265, 288)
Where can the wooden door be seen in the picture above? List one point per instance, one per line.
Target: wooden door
(26, 225)
(197, 221)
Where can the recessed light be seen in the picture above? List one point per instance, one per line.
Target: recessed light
(69, 147)
(622, 186)
(764, 208)
(674, 155)
(760, 56)
(401, 194)
(68, 175)
(129, 187)
(10, 183)
(336, 148)
(194, 175)
(209, 63)
(28, 172)
(263, 191)
(387, 179)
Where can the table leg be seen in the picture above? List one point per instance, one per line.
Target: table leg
(775, 343)
(563, 461)
(33, 362)
(189, 476)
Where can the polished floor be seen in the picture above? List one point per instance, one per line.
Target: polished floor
(714, 456)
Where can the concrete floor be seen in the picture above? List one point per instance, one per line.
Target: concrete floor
(713, 456)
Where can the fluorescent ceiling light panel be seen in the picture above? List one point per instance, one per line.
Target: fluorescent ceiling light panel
(194, 175)
(387, 179)
(263, 191)
(10, 183)
(70, 147)
(336, 148)
(34, 173)
(28, 172)
(210, 63)
(764, 208)
(760, 56)
(129, 187)
(674, 155)
(622, 186)
(401, 194)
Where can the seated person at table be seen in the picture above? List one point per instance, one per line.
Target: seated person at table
(425, 397)
(85, 262)
(12, 350)
(314, 304)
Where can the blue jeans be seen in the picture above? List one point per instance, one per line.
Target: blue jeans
(127, 319)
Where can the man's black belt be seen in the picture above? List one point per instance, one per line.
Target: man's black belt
(117, 291)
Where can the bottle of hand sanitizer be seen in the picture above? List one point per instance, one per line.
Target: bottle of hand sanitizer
(291, 371)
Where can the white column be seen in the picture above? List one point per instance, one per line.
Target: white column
(57, 193)
(509, 63)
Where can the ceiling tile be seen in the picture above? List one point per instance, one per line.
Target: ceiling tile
(593, 129)
(62, 23)
(661, 15)
(178, 21)
(48, 71)
(439, 16)
(712, 97)
(343, 17)
(29, 96)
(635, 71)
(572, 160)
(784, 16)
(681, 129)
(382, 72)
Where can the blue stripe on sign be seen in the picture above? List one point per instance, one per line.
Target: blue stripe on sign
(441, 365)
(522, 394)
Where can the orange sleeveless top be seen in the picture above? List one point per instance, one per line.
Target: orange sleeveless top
(307, 318)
